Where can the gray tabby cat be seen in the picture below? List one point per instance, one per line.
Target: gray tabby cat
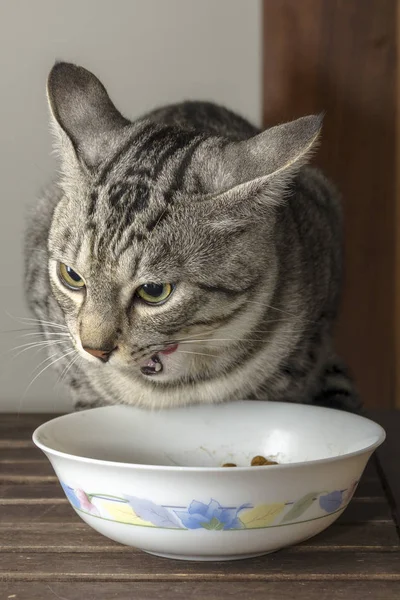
(186, 257)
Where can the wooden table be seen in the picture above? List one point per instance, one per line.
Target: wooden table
(48, 553)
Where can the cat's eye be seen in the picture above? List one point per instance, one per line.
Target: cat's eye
(70, 278)
(155, 293)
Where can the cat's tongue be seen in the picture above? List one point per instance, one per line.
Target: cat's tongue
(169, 350)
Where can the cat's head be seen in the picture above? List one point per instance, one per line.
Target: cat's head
(162, 247)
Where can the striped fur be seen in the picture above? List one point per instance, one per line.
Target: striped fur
(194, 195)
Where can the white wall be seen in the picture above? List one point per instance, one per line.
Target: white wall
(146, 52)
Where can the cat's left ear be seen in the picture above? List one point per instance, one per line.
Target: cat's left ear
(260, 168)
(85, 120)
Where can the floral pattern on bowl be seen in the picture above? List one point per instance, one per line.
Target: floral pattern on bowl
(211, 515)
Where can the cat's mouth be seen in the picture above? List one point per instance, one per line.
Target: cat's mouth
(155, 365)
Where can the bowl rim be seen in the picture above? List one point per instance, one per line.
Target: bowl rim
(381, 433)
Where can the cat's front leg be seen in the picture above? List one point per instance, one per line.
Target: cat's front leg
(336, 388)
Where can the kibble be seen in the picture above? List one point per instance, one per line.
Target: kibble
(261, 461)
(256, 461)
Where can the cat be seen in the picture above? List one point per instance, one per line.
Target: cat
(186, 257)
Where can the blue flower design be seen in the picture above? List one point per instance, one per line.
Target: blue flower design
(72, 497)
(331, 502)
(161, 516)
(210, 516)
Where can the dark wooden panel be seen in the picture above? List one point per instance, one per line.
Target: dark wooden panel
(339, 56)
(201, 590)
(389, 457)
(138, 566)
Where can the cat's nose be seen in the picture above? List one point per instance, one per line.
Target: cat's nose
(103, 354)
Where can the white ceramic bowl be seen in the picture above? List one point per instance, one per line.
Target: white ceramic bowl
(154, 479)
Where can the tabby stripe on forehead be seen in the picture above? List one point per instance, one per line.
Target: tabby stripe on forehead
(131, 236)
(178, 142)
(158, 136)
(181, 170)
(183, 166)
(123, 150)
(174, 187)
(127, 218)
(66, 239)
(142, 193)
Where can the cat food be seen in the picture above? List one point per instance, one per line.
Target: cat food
(259, 461)
(256, 461)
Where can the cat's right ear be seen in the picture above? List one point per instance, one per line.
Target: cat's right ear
(86, 122)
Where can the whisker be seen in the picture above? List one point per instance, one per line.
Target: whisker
(44, 361)
(40, 345)
(67, 368)
(58, 333)
(236, 339)
(285, 312)
(40, 321)
(185, 339)
(18, 330)
(197, 353)
(217, 340)
(45, 368)
(37, 344)
(196, 335)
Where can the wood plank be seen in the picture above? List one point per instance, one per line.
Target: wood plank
(10, 444)
(22, 491)
(340, 57)
(28, 479)
(20, 427)
(22, 432)
(25, 453)
(14, 420)
(38, 468)
(360, 535)
(131, 566)
(43, 514)
(79, 537)
(204, 590)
